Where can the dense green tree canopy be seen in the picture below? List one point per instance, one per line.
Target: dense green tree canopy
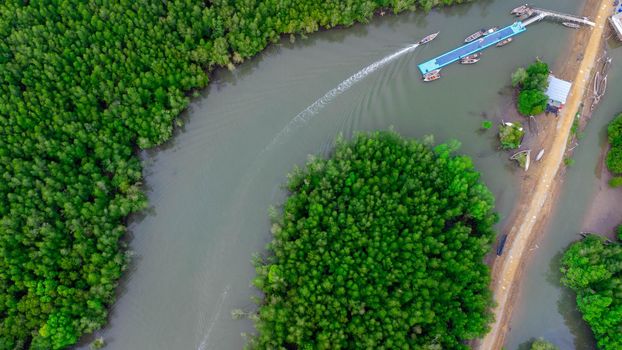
(379, 247)
(532, 83)
(614, 157)
(83, 84)
(593, 269)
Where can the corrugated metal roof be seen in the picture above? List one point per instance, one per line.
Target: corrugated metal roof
(558, 89)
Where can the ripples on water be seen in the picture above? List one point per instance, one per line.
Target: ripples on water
(305, 115)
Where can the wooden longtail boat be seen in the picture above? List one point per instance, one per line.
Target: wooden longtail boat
(474, 36)
(428, 38)
(571, 25)
(504, 42)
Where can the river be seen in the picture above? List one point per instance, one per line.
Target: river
(211, 185)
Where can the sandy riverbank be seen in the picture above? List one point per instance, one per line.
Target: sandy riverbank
(540, 185)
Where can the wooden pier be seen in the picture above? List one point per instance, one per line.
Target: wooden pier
(540, 14)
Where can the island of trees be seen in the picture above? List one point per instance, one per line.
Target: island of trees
(83, 85)
(379, 246)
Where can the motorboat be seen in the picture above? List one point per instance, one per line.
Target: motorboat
(540, 155)
(504, 42)
(428, 38)
(433, 75)
(571, 25)
(469, 60)
(491, 30)
(474, 36)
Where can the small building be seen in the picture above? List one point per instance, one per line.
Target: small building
(616, 23)
(557, 93)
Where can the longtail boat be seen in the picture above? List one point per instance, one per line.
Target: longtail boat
(428, 38)
(571, 25)
(474, 36)
(504, 42)
(433, 75)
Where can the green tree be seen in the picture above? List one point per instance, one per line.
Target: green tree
(592, 268)
(531, 102)
(519, 77)
(379, 246)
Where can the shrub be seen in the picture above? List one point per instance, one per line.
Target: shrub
(511, 135)
(519, 77)
(615, 181)
(380, 246)
(541, 344)
(486, 124)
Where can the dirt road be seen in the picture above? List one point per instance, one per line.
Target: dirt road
(507, 269)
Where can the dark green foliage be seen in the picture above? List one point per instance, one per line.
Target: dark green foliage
(531, 102)
(83, 84)
(593, 269)
(537, 76)
(620, 232)
(615, 181)
(380, 246)
(541, 344)
(614, 157)
(532, 83)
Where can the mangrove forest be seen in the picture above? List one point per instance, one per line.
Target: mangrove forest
(592, 268)
(83, 86)
(380, 246)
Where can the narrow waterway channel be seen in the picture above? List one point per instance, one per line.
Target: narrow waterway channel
(544, 308)
(211, 186)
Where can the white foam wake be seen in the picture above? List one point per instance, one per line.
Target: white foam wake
(221, 301)
(302, 117)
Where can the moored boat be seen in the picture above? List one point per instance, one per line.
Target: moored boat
(475, 55)
(428, 38)
(491, 30)
(468, 60)
(474, 36)
(433, 75)
(571, 25)
(504, 42)
(540, 155)
(520, 10)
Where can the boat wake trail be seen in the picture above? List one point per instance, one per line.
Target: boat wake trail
(302, 117)
(221, 300)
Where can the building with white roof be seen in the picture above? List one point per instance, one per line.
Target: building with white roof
(558, 91)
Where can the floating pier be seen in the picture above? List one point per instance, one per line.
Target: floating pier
(535, 15)
(471, 48)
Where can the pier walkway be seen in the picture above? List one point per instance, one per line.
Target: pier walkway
(542, 13)
(471, 48)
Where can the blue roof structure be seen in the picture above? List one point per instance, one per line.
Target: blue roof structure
(472, 47)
